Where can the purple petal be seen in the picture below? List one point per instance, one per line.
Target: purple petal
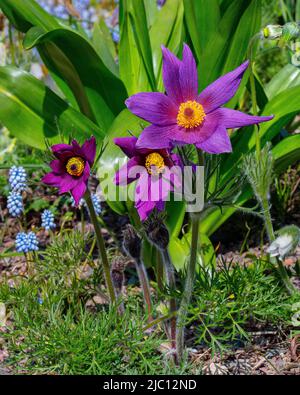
(78, 192)
(127, 145)
(218, 143)
(57, 166)
(145, 208)
(77, 149)
(222, 90)
(89, 150)
(61, 147)
(237, 119)
(156, 137)
(188, 76)
(86, 172)
(154, 107)
(171, 66)
(122, 175)
(67, 183)
(52, 179)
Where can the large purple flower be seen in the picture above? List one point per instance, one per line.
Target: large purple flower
(156, 171)
(185, 117)
(71, 169)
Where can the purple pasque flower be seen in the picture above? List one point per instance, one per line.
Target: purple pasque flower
(71, 168)
(156, 172)
(183, 116)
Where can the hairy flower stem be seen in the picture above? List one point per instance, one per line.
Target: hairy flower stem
(170, 277)
(271, 235)
(101, 246)
(188, 289)
(159, 271)
(143, 278)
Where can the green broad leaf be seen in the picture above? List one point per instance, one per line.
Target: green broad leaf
(68, 55)
(249, 25)
(33, 113)
(215, 55)
(202, 20)
(133, 69)
(287, 77)
(151, 11)
(168, 24)
(298, 10)
(179, 250)
(24, 14)
(175, 216)
(286, 153)
(104, 46)
(139, 23)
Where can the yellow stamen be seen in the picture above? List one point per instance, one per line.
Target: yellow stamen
(190, 115)
(155, 163)
(75, 166)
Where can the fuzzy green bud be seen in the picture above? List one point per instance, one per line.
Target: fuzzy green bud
(271, 32)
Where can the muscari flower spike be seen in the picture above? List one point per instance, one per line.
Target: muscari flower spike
(15, 204)
(153, 178)
(17, 178)
(48, 220)
(183, 116)
(26, 242)
(72, 167)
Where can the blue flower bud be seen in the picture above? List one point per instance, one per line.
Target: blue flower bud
(15, 204)
(21, 242)
(32, 242)
(48, 220)
(26, 242)
(18, 178)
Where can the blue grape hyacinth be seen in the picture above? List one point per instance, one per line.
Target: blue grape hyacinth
(26, 242)
(48, 220)
(32, 242)
(15, 204)
(21, 242)
(17, 178)
(97, 204)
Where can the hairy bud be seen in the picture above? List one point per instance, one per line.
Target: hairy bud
(117, 272)
(157, 232)
(132, 242)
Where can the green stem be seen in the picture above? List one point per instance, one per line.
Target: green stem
(101, 247)
(271, 235)
(268, 219)
(143, 278)
(171, 284)
(188, 289)
(159, 271)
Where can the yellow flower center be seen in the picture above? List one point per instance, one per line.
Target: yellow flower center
(154, 163)
(75, 166)
(190, 115)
